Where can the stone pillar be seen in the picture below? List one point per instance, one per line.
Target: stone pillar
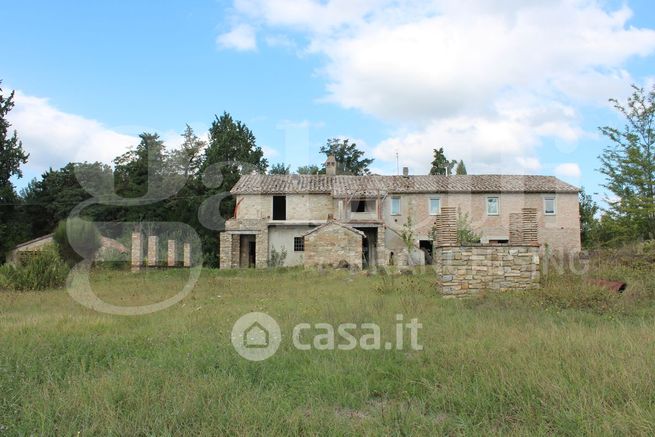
(153, 245)
(172, 253)
(187, 254)
(225, 250)
(261, 249)
(516, 228)
(530, 230)
(446, 224)
(235, 246)
(137, 251)
(382, 253)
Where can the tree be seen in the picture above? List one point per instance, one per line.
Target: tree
(12, 156)
(233, 148)
(349, 158)
(461, 168)
(465, 232)
(629, 164)
(186, 160)
(440, 164)
(279, 169)
(588, 221)
(309, 169)
(142, 168)
(81, 242)
(50, 199)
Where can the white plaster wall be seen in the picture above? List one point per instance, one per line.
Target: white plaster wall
(280, 237)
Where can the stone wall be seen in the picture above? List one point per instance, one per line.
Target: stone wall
(230, 242)
(462, 270)
(299, 206)
(331, 244)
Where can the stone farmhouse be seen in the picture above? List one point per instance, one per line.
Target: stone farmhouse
(358, 221)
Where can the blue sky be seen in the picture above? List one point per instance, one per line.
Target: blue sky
(509, 86)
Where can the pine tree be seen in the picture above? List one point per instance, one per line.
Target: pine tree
(461, 168)
(440, 164)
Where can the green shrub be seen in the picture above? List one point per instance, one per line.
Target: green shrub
(465, 233)
(277, 258)
(76, 239)
(44, 269)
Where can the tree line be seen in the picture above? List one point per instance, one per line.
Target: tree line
(182, 178)
(628, 163)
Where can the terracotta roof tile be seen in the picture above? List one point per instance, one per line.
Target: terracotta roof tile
(342, 185)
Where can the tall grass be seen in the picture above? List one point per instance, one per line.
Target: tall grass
(498, 364)
(40, 270)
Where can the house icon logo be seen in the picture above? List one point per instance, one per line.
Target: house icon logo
(256, 336)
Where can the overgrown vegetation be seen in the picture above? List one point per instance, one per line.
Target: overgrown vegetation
(408, 234)
(277, 258)
(465, 232)
(76, 239)
(37, 271)
(544, 362)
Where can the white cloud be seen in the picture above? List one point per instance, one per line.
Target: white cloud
(53, 137)
(487, 80)
(269, 152)
(242, 37)
(568, 170)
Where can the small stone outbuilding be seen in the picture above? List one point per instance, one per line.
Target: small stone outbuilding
(334, 244)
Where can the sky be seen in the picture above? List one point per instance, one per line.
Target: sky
(509, 86)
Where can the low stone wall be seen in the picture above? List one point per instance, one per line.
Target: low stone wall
(463, 270)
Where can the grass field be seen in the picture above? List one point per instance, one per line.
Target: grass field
(567, 360)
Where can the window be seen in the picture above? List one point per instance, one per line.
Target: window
(434, 205)
(358, 206)
(549, 205)
(492, 205)
(279, 208)
(298, 244)
(362, 205)
(395, 205)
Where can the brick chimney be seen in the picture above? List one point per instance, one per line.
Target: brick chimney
(406, 171)
(331, 166)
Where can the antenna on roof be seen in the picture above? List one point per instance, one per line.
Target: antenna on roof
(397, 165)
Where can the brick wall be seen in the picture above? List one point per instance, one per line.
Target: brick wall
(560, 231)
(465, 270)
(332, 243)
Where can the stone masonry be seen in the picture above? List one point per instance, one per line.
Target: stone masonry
(187, 254)
(331, 244)
(137, 251)
(172, 253)
(516, 228)
(230, 242)
(153, 246)
(463, 270)
(446, 225)
(530, 227)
